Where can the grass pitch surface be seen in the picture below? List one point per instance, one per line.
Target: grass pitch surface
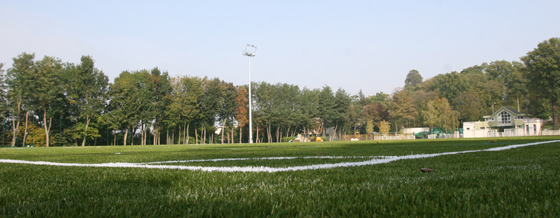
(515, 182)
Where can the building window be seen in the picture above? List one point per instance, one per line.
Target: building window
(504, 118)
(527, 128)
(535, 127)
(482, 127)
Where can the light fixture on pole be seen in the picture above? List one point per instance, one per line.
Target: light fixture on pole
(250, 51)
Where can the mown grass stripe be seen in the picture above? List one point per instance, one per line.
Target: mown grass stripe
(373, 161)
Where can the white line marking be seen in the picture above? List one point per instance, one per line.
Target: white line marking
(373, 161)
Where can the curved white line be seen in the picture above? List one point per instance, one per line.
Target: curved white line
(375, 160)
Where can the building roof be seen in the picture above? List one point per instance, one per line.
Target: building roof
(509, 109)
(512, 110)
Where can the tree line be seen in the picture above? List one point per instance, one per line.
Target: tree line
(48, 102)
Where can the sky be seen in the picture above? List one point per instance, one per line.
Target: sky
(352, 45)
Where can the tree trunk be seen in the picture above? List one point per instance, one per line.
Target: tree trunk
(195, 135)
(15, 126)
(125, 136)
(554, 113)
(185, 134)
(187, 130)
(142, 134)
(25, 131)
(132, 136)
(257, 136)
(47, 127)
(155, 134)
(85, 131)
(240, 134)
(278, 136)
(223, 130)
(204, 135)
(179, 134)
(268, 133)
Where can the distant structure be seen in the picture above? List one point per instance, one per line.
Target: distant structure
(250, 51)
(506, 121)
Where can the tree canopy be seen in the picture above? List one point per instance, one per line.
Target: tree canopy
(543, 72)
(45, 102)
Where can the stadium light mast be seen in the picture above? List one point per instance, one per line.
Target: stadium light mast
(250, 51)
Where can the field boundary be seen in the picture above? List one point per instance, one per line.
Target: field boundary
(373, 161)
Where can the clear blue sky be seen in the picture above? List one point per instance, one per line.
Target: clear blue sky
(367, 45)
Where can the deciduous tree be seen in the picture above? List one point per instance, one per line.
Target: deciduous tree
(86, 88)
(543, 72)
(46, 90)
(241, 110)
(19, 78)
(413, 79)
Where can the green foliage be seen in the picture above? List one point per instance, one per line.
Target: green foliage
(35, 135)
(79, 131)
(439, 113)
(369, 127)
(402, 108)
(384, 127)
(543, 72)
(86, 90)
(156, 109)
(413, 79)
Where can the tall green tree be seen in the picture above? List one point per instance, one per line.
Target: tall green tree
(3, 97)
(327, 106)
(413, 79)
(342, 101)
(242, 109)
(124, 105)
(508, 75)
(402, 108)
(227, 110)
(543, 72)
(183, 108)
(384, 127)
(469, 106)
(210, 106)
(46, 91)
(86, 89)
(19, 79)
(439, 113)
(158, 86)
(449, 85)
(309, 108)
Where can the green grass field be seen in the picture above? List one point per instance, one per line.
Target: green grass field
(521, 182)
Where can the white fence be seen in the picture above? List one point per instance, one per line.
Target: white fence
(508, 133)
(477, 134)
(397, 137)
(550, 132)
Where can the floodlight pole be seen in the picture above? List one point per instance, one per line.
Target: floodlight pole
(250, 54)
(250, 109)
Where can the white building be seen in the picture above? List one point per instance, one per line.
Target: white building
(506, 121)
(415, 130)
